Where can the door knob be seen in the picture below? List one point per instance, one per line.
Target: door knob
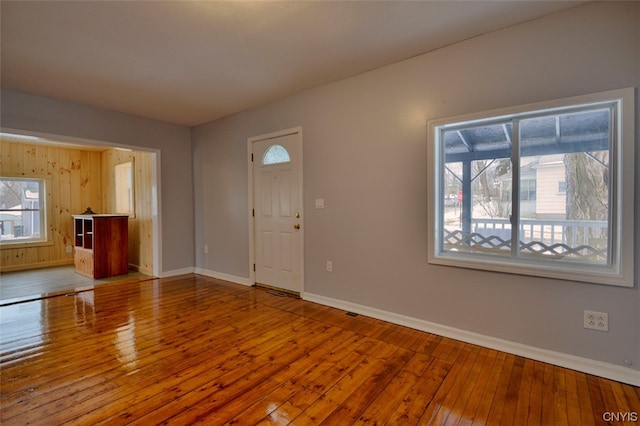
(297, 226)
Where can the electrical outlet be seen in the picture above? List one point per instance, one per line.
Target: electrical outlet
(596, 320)
(69, 249)
(206, 249)
(329, 266)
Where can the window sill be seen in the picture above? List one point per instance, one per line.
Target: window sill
(24, 244)
(580, 273)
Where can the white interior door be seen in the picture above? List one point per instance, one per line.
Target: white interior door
(277, 183)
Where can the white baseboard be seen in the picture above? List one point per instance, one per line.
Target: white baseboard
(222, 276)
(175, 272)
(585, 365)
(207, 273)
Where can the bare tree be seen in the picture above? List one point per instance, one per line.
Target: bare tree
(587, 178)
(10, 194)
(487, 188)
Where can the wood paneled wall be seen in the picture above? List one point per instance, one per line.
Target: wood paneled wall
(140, 225)
(73, 183)
(77, 179)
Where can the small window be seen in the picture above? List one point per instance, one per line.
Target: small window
(562, 187)
(544, 190)
(22, 210)
(124, 188)
(275, 154)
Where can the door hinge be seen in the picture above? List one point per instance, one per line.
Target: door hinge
(252, 157)
(254, 267)
(253, 212)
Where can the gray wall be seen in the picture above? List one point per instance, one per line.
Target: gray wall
(364, 141)
(22, 111)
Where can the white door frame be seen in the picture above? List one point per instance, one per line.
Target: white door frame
(252, 254)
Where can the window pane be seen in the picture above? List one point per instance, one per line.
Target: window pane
(490, 211)
(21, 218)
(451, 207)
(275, 154)
(477, 190)
(564, 189)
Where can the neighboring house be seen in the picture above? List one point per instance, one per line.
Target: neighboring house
(542, 188)
(25, 222)
(551, 188)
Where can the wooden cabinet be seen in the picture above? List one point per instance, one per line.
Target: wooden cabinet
(101, 245)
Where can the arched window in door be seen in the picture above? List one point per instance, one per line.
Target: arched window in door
(275, 154)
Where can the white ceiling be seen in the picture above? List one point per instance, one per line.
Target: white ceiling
(189, 62)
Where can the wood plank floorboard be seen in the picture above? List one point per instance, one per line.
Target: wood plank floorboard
(197, 350)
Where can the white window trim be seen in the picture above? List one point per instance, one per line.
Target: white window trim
(621, 272)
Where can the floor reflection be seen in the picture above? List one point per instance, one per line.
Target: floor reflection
(125, 344)
(22, 328)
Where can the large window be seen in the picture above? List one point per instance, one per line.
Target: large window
(543, 189)
(22, 210)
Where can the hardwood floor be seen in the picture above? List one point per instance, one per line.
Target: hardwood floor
(192, 349)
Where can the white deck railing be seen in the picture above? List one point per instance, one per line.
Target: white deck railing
(579, 239)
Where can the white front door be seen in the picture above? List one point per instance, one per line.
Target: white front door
(277, 200)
